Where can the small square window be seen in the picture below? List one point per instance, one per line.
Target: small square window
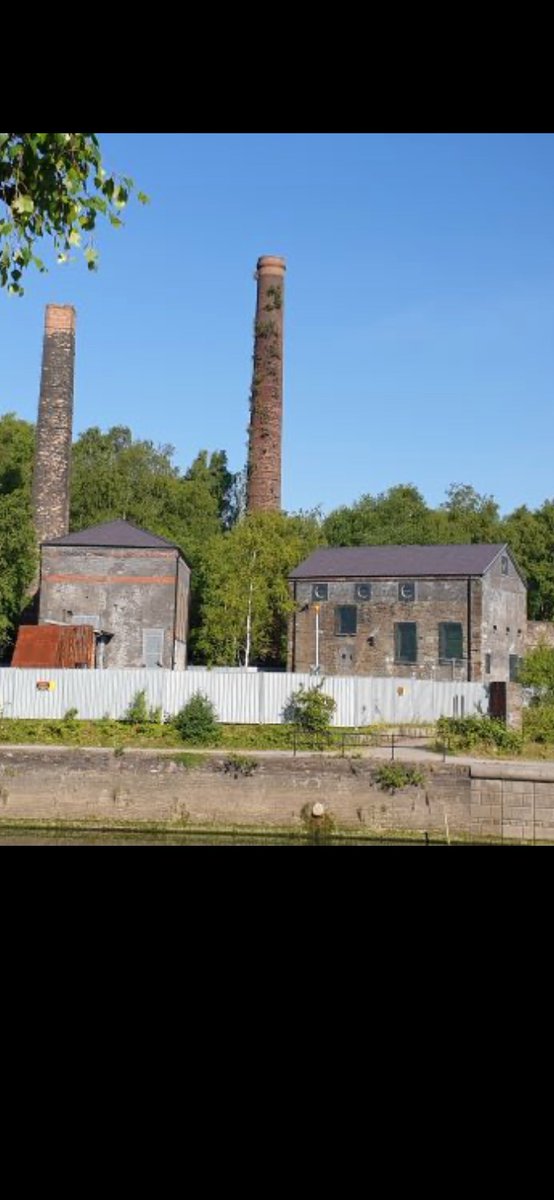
(406, 590)
(504, 564)
(363, 591)
(346, 620)
(320, 591)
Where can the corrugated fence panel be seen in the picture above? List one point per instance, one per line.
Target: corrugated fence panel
(241, 698)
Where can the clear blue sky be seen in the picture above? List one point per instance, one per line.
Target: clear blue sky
(419, 308)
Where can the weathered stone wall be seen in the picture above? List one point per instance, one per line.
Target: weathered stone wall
(372, 650)
(129, 591)
(508, 801)
(51, 475)
(514, 802)
(266, 405)
(504, 619)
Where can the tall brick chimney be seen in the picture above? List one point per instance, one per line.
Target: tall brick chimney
(55, 422)
(263, 491)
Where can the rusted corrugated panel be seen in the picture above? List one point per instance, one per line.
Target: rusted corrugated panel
(36, 646)
(54, 646)
(76, 646)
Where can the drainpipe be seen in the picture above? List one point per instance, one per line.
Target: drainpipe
(295, 614)
(469, 628)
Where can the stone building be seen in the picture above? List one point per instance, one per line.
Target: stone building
(130, 585)
(427, 612)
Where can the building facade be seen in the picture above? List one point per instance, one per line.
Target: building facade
(425, 612)
(130, 585)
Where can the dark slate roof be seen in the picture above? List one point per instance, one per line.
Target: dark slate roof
(385, 561)
(113, 533)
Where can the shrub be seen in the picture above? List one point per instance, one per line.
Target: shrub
(468, 733)
(392, 776)
(537, 671)
(239, 764)
(310, 710)
(538, 723)
(138, 712)
(197, 722)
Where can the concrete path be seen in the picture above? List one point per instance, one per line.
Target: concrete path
(409, 754)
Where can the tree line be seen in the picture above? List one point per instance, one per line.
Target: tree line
(240, 563)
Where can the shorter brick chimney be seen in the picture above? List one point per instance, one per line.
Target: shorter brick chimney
(51, 477)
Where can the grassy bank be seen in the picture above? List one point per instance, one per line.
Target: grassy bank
(154, 735)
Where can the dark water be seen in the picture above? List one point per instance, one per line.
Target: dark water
(107, 838)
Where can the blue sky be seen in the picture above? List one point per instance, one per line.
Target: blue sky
(419, 308)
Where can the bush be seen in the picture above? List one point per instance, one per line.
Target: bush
(138, 712)
(537, 671)
(469, 733)
(392, 776)
(310, 710)
(538, 723)
(197, 722)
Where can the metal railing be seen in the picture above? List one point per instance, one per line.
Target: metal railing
(343, 740)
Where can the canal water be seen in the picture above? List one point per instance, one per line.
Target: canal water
(134, 838)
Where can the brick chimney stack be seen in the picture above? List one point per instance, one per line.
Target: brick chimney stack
(55, 423)
(266, 404)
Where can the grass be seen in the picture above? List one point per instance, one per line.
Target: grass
(122, 735)
(119, 735)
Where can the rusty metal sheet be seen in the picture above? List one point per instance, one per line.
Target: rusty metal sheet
(66, 646)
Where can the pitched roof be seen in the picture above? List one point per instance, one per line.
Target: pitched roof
(384, 561)
(113, 533)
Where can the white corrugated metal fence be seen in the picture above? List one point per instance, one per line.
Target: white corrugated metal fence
(239, 697)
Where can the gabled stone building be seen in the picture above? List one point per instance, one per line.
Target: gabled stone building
(130, 585)
(427, 612)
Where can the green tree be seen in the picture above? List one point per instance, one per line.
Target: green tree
(531, 537)
(213, 470)
(18, 557)
(537, 670)
(398, 516)
(17, 448)
(18, 553)
(53, 186)
(467, 516)
(114, 476)
(245, 598)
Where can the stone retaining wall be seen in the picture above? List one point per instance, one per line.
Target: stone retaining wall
(502, 801)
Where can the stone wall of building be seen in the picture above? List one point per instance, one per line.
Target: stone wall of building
(501, 801)
(127, 591)
(504, 619)
(372, 650)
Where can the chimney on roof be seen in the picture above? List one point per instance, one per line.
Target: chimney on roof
(266, 405)
(51, 476)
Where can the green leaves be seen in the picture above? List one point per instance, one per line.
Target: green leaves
(54, 186)
(91, 256)
(23, 204)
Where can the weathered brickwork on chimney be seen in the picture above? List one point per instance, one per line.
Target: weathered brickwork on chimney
(54, 428)
(266, 404)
